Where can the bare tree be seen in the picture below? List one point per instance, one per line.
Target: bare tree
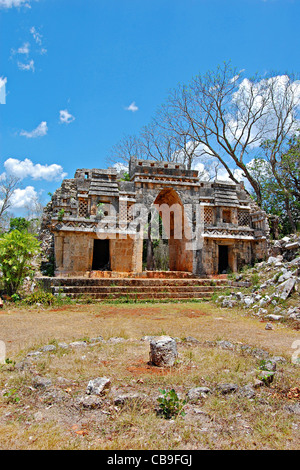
(228, 117)
(8, 184)
(156, 143)
(34, 209)
(127, 147)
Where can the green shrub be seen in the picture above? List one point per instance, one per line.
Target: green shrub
(255, 279)
(40, 297)
(170, 406)
(17, 252)
(12, 396)
(60, 215)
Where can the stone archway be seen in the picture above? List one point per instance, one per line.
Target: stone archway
(176, 227)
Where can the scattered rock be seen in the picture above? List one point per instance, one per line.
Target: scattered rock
(98, 339)
(90, 402)
(279, 359)
(195, 394)
(269, 326)
(264, 301)
(285, 276)
(226, 345)
(34, 354)
(257, 383)
(78, 344)
(293, 408)
(115, 340)
(286, 288)
(48, 348)
(292, 246)
(270, 365)
(247, 391)
(41, 382)
(98, 386)
(274, 317)
(248, 301)
(227, 388)
(228, 302)
(262, 311)
(129, 399)
(191, 340)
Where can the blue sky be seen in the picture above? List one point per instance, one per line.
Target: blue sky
(78, 75)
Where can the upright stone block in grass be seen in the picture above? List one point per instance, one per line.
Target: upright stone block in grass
(163, 351)
(2, 352)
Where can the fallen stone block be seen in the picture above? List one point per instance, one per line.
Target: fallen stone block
(98, 386)
(285, 289)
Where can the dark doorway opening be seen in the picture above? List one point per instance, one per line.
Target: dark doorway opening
(101, 256)
(223, 259)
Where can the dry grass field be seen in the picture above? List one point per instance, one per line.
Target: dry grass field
(43, 401)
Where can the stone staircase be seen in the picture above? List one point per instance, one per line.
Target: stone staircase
(179, 286)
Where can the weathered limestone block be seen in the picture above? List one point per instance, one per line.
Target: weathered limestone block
(2, 352)
(98, 386)
(286, 288)
(163, 351)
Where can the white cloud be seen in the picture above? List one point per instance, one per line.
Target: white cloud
(14, 3)
(119, 166)
(26, 67)
(40, 131)
(3, 82)
(65, 117)
(24, 49)
(132, 107)
(23, 198)
(222, 175)
(269, 101)
(24, 169)
(36, 35)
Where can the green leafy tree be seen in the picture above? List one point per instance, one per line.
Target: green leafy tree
(19, 223)
(17, 252)
(277, 200)
(278, 178)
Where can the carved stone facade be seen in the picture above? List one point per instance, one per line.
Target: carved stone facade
(99, 221)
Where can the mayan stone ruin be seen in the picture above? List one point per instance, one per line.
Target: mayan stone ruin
(96, 222)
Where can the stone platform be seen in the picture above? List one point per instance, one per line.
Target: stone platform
(152, 285)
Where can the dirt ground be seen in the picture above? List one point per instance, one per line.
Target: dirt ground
(24, 328)
(43, 400)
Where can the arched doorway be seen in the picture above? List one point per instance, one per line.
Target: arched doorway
(175, 234)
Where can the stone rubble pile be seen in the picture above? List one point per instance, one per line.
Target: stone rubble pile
(280, 279)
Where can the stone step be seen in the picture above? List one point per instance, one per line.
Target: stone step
(134, 289)
(144, 296)
(182, 286)
(147, 282)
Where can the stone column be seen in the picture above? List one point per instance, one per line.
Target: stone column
(163, 351)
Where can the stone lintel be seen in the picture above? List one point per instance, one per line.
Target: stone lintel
(228, 237)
